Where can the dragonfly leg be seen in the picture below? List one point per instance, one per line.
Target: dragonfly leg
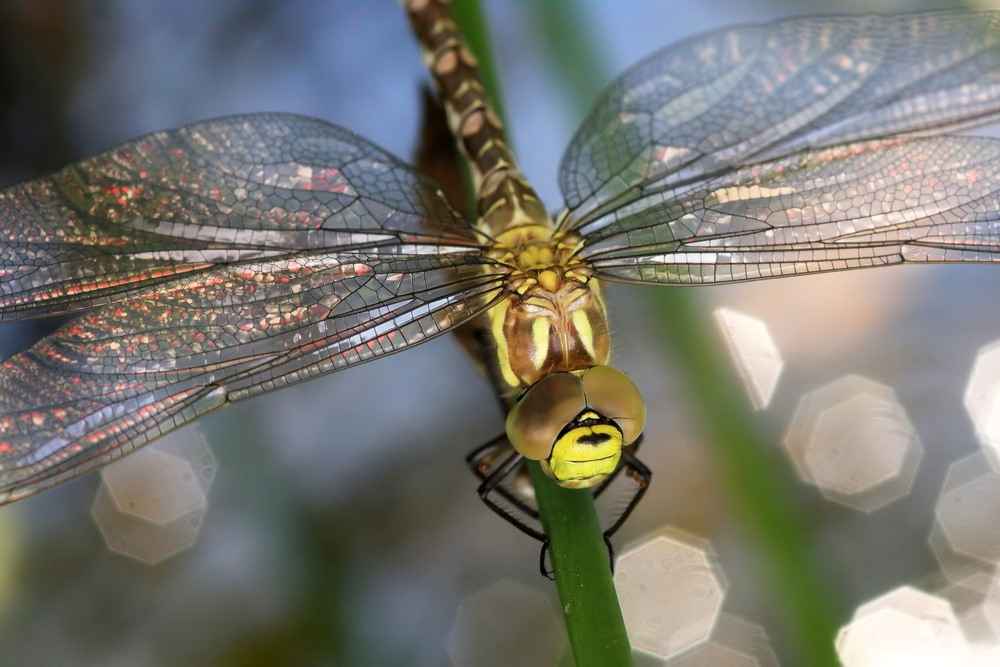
(492, 484)
(641, 474)
(496, 480)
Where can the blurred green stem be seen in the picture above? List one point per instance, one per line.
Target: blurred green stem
(761, 497)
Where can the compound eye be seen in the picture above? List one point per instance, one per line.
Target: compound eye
(613, 394)
(535, 421)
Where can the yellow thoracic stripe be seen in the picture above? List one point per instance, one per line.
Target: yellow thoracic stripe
(498, 316)
(540, 333)
(581, 320)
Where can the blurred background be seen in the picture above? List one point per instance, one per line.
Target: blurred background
(340, 525)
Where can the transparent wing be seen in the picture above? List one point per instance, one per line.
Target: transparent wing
(127, 372)
(227, 190)
(760, 92)
(857, 205)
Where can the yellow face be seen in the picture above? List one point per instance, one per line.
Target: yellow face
(576, 424)
(586, 453)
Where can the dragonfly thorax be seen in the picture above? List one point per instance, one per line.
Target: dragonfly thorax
(554, 320)
(549, 323)
(533, 248)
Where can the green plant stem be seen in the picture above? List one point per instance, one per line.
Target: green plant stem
(579, 556)
(580, 561)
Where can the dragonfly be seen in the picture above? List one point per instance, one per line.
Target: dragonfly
(235, 256)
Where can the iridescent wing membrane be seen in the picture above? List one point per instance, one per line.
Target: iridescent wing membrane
(236, 256)
(793, 147)
(222, 260)
(221, 191)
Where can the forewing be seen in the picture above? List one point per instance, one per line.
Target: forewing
(760, 92)
(232, 189)
(127, 372)
(851, 206)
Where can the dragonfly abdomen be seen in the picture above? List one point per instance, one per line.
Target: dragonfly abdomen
(504, 197)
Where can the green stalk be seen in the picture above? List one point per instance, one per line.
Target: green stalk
(578, 554)
(759, 493)
(582, 571)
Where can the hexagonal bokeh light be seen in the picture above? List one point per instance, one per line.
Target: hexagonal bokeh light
(982, 398)
(150, 504)
(965, 536)
(733, 643)
(976, 602)
(757, 357)
(987, 613)
(486, 633)
(904, 627)
(853, 440)
(670, 590)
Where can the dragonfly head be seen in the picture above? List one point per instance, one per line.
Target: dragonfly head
(576, 423)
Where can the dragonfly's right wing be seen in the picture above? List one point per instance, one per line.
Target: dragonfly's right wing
(233, 189)
(220, 260)
(125, 373)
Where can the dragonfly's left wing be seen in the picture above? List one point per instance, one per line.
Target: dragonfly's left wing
(793, 147)
(853, 206)
(753, 93)
(232, 189)
(130, 371)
